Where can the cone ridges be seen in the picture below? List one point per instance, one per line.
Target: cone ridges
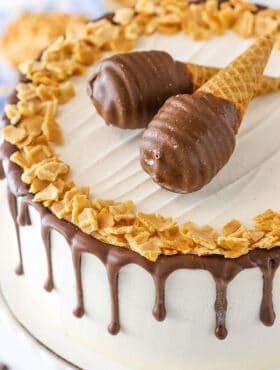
(241, 79)
(201, 74)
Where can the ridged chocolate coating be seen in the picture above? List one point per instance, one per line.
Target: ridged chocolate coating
(124, 88)
(190, 139)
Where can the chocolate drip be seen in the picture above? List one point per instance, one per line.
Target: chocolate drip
(159, 310)
(2, 173)
(114, 258)
(108, 16)
(45, 233)
(222, 278)
(113, 278)
(12, 171)
(268, 265)
(23, 218)
(267, 314)
(76, 257)
(12, 202)
(220, 309)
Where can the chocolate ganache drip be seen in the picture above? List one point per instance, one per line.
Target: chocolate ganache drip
(2, 173)
(114, 258)
(125, 88)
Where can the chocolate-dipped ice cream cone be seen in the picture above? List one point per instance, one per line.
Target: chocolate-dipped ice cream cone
(193, 136)
(128, 89)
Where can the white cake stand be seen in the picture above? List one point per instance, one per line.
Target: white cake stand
(19, 350)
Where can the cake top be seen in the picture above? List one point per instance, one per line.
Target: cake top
(33, 128)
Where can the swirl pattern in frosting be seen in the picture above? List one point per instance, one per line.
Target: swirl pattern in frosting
(125, 88)
(190, 139)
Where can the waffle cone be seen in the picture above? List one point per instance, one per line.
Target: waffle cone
(268, 84)
(201, 74)
(240, 80)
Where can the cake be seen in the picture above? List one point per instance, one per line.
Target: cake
(103, 277)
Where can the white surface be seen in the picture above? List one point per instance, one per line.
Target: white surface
(108, 158)
(19, 351)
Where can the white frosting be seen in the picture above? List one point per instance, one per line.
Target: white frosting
(184, 341)
(107, 158)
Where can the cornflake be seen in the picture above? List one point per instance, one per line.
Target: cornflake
(33, 125)
(267, 242)
(202, 238)
(184, 246)
(58, 209)
(28, 108)
(27, 68)
(51, 170)
(204, 251)
(168, 252)
(87, 220)
(232, 244)
(155, 222)
(38, 153)
(244, 25)
(123, 16)
(26, 92)
(105, 219)
(147, 6)
(142, 243)
(69, 196)
(119, 230)
(14, 134)
(265, 216)
(254, 235)
(231, 227)
(99, 204)
(13, 114)
(122, 211)
(205, 236)
(114, 239)
(18, 158)
(37, 185)
(50, 127)
(99, 33)
(80, 202)
(85, 53)
(50, 193)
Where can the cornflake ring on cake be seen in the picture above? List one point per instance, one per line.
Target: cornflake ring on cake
(31, 127)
